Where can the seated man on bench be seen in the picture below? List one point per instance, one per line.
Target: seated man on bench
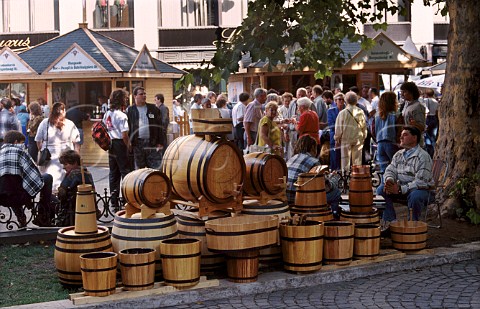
(409, 176)
(20, 181)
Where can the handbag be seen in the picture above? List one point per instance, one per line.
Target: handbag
(45, 155)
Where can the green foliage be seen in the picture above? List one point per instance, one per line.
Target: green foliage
(464, 191)
(28, 275)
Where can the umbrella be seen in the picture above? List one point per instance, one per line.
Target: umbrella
(431, 82)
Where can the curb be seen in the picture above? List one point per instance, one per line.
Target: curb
(278, 280)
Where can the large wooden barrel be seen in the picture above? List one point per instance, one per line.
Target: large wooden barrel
(181, 261)
(137, 266)
(370, 217)
(85, 210)
(99, 273)
(68, 248)
(197, 167)
(367, 241)
(190, 227)
(310, 190)
(338, 242)
(146, 186)
(302, 246)
(409, 235)
(241, 233)
(264, 173)
(360, 189)
(135, 232)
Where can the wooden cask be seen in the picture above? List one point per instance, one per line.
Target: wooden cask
(146, 186)
(264, 173)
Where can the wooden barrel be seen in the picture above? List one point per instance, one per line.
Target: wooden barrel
(360, 189)
(135, 232)
(302, 246)
(68, 248)
(85, 210)
(146, 186)
(197, 167)
(370, 217)
(338, 242)
(189, 227)
(409, 235)
(99, 273)
(274, 208)
(367, 241)
(310, 190)
(181, 261)
(242, 266)
(320, 214)
(264, 173)
(208, 121)
(137, 266)
(241, 233)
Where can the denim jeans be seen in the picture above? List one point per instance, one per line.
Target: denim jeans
(119, 167)
(416, 199)
(385, 152)
(146, 156)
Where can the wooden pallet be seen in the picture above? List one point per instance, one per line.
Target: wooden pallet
(385, 255)
(158, 289)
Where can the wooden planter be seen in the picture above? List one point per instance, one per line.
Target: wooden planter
(208, 121)
(409, 235)
(137, 266)
(367, 241)
(360, 189)
(181, 262)
(320, 214)
(146, 186)
(338, 242)
(68, 248)
(310, 190)
(302, 246)
(134, 232)
(242, 266)
(99, 273)
(370, 217)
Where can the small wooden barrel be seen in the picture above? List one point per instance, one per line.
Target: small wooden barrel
(409, 235)
(135, 232)
(85, 210)
(367, 241)
(68, 248)
(338, 242)
(137, 266)
(370, 217)
(320, 214)
(264, 173)
(360, 189)
(241, 232)
(99, 273)
(272, 207)
(242, 266)
(310, 190)
(302, 246)
(208, 121)
(181, 261)
(197, 167)
(189, 227)
(146, 186)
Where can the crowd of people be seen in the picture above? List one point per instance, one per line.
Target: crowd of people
(317, 126)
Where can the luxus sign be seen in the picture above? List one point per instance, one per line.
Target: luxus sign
(21, 42)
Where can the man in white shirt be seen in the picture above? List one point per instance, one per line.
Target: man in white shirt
(238, 113)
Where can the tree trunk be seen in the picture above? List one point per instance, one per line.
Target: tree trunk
(459, 112)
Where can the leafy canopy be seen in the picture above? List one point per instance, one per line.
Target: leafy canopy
(299, 34)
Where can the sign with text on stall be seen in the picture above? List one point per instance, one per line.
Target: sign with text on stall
(144, 61)
(75, 59)
(11, 63)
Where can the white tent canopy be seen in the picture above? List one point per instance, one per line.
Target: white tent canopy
(434, 82)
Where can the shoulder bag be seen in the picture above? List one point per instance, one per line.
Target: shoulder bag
(44, 156)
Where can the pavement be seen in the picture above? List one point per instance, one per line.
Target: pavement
(229, 294)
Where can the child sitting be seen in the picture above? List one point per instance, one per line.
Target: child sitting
(67, 192)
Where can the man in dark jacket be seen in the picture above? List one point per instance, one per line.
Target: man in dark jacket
(145, 130)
